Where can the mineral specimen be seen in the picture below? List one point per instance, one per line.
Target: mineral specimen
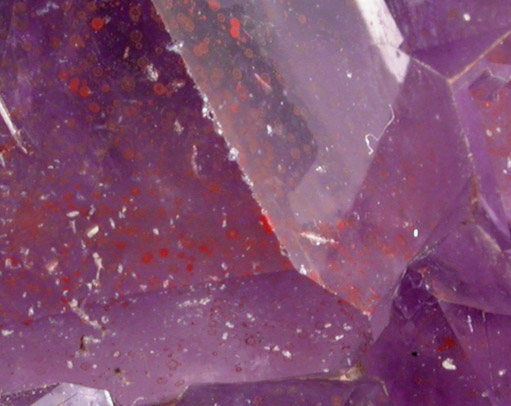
(227, 202)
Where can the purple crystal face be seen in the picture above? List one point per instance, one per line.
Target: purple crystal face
(64, 394)
(222, 202)
(292, 392)
(125, 188)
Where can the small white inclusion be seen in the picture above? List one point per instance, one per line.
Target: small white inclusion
(448, 364)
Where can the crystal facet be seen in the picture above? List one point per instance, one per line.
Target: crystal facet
(64, 394)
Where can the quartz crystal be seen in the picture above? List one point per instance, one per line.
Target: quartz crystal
(231, 202)
(65, 394)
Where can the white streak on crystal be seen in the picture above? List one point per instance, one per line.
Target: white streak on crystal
(99, 267)
(386, 35)
(469, 322)
(46, 8)
(152, 73)
(415, 233)
(193, 161)
(70, 364)
(286, 354)
(7, 333)
(92, 231)
(72, 214)
(317, 239)
(15, 132)
(84, 317)
(233, 154)
(368, 137)
(467, 17)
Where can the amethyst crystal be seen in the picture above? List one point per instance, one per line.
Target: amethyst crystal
(65, 394)
(291, 392)
(230, 202)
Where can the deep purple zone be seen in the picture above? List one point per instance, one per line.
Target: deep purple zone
(135, 257)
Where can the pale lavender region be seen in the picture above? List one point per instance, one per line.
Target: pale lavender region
(255, 202)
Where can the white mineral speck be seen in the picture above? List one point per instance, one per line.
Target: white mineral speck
(91, 232)
(286, 354)
(448, 364)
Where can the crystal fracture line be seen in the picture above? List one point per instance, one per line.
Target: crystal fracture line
(15, 132)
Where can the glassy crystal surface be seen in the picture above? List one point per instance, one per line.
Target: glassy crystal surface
(230, 202)
(64, 394)
(152, 346)
(292, 392)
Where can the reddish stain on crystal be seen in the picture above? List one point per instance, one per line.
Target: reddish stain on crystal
(97, 24)
(235, 28)
(147, 258)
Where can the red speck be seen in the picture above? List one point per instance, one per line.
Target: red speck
(164, 253)
(65, 280)
(147, 258)
(28, 322)
(204, 249)
(121, 246)
(85, 92)
(214, 5)
(159, 89)
(97, 24)
(63, 75)
(232, 234)
(235, 28)
(74, 85)
(94, 108)
(447, 345)
(135, 191)
(189, 268)
(341, 225)
(268, 229)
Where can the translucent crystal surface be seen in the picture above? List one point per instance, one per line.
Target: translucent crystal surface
(226, 202)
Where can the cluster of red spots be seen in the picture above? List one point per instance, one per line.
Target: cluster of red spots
(135, 13)
(448, 344)
(76, 87)
(235, 28)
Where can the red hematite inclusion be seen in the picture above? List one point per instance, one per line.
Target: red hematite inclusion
(230, 202)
